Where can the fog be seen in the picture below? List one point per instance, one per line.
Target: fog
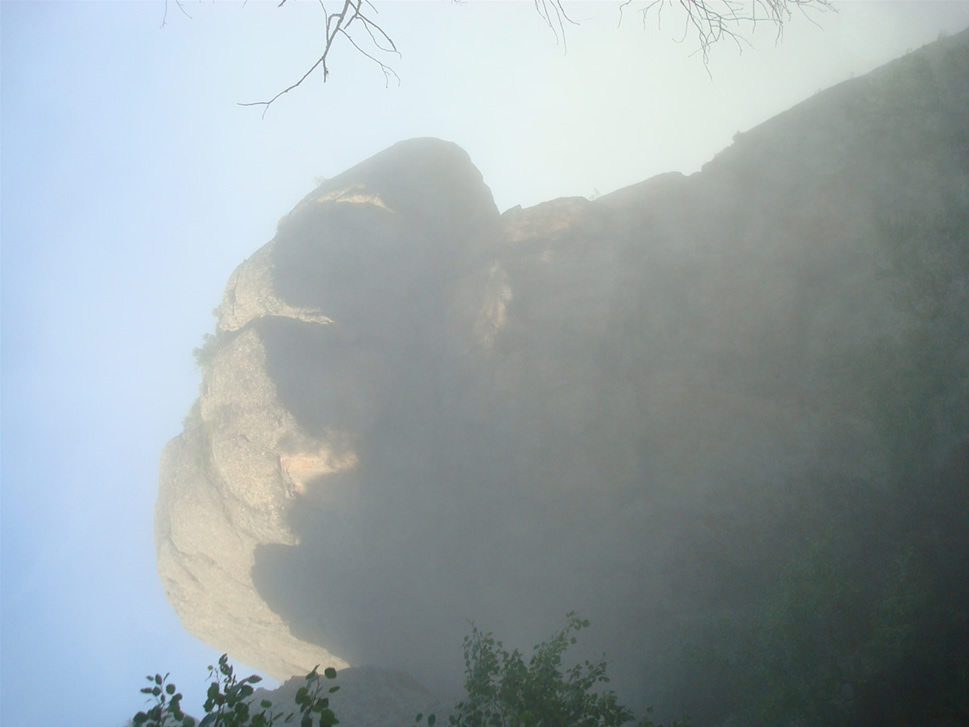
(650, 408)
(719, 415)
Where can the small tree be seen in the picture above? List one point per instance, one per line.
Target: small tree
(503, 690)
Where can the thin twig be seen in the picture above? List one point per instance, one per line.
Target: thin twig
(339, 24)
(712, 21)
(560, 17)
(180, 7)
(708, 21)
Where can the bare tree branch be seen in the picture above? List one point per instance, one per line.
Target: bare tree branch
(712, 21)
(554, 15)
(340, 24)
(709, 21)
(387, 70)
(180, 7)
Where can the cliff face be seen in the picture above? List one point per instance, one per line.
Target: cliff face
(418, 412)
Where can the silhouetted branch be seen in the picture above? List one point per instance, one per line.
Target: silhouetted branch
(554, 16)
(710, 21)
(387, 70)
(715, 20)
(340, 23)
(184, 11)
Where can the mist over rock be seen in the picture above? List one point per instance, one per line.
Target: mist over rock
(417, 411)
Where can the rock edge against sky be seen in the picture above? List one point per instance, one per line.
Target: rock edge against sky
(417, 411)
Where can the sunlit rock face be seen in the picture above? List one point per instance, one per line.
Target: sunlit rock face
(419, 412)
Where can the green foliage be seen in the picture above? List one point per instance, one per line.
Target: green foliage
(167, 709)
(503, 690)
(229, 702)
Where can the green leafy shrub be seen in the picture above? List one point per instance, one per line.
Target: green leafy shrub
(505, 690)
(229, 702)
(167, 709)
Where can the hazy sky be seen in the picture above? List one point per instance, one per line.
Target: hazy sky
(132, 185)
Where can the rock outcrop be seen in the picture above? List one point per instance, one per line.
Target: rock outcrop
(417, 411)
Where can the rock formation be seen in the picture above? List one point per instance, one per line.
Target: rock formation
(417, 411)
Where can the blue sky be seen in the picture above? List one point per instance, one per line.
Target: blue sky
(133, 183)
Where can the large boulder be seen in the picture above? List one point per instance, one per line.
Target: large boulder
(417, 412)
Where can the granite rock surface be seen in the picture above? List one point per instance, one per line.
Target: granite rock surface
(417, 411)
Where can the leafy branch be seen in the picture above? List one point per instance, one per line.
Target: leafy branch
(505, 690)
(229, 702)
